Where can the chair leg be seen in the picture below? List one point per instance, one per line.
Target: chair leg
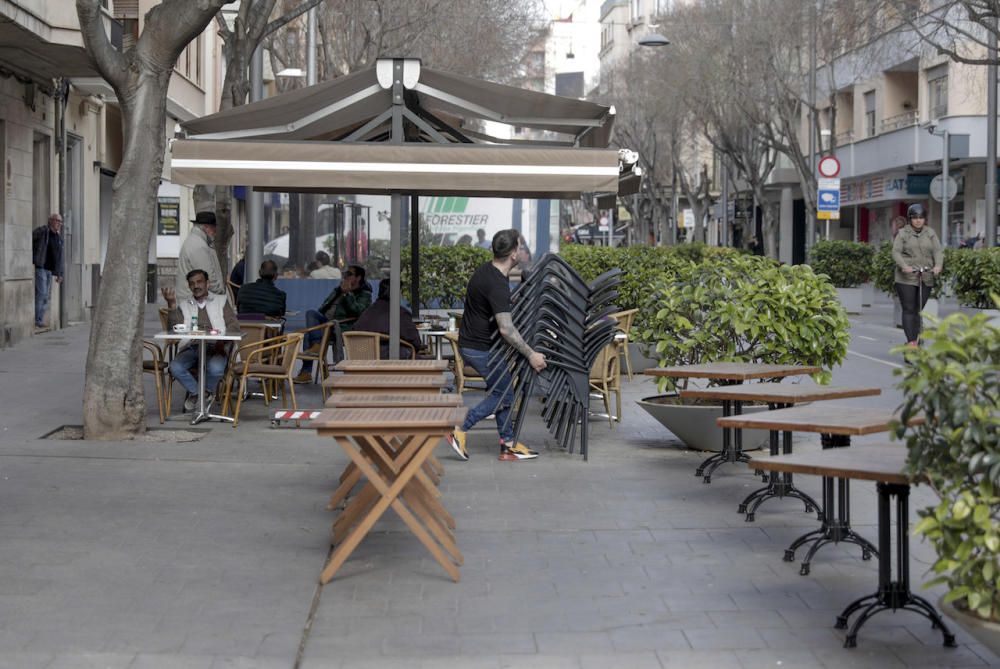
(239, 400)
(618, 403)
(606, 396)
(159, 391)
(628, 360)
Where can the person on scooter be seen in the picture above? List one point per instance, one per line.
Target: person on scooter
(919, 259)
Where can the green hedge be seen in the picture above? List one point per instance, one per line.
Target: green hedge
(746, 309)
(975, 275)
(642, 267)
(444, 273)
(848, 264)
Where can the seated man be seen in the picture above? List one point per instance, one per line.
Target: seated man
(213, 312)
(344, 304)
(324, 270)
(262, 296)
(376, 319)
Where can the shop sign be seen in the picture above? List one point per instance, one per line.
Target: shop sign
(875, 189)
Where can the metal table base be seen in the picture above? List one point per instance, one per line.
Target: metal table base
(892, 595)
(203, 411)
(835, 529)
(778, 485)
(732, 446)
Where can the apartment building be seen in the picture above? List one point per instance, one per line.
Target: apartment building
(883, 115)
(61, 146)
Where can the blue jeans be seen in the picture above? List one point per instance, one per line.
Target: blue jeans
(43, 288)
(187, 359)
(500, 393)
(313, 317)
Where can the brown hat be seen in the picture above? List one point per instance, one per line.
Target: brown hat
(204, 218)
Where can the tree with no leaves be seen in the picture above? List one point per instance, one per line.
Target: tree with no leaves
(114, 406)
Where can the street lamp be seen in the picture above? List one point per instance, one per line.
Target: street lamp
(945, 194)
(655, 40)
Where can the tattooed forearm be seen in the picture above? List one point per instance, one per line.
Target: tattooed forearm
(511, 335)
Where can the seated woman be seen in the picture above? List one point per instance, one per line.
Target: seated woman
(376, 319)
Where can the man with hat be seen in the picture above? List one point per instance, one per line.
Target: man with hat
(197, 253)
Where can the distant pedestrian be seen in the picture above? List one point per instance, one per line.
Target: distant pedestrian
(324, 270)
(898, 223)
(47, 257)
(481, 240)
(915, 248)
(197, 253)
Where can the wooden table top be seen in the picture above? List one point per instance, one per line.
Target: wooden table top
(345, 400)
(785, 393)
(869, 462)
(824, 418)
(389, 366)
(732, 371)
(394, 381)
(388, 419)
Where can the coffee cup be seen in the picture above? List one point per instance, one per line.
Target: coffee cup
(181, 327)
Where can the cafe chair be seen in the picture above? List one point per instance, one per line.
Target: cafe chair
(270, 360)
(157, 366)
(320, 369)
(464, 374)
(606, 378)
(368, 345)
(625, 320)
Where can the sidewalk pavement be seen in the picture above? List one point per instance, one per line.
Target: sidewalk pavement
(206, 553)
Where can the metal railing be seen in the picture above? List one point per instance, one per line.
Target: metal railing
(904, 120)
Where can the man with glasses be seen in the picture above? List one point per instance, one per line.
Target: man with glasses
(344, 304)
(487, 312)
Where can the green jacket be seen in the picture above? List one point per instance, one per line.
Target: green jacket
(341, 306)
(913, 249)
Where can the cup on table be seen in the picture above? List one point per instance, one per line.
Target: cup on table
(181, 327)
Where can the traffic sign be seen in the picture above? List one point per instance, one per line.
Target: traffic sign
(829, 167)
(828, 215)
(828, 198)
(937, 188)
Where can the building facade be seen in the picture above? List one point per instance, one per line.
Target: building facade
(61, 145)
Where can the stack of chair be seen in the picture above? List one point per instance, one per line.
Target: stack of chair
(569, 321)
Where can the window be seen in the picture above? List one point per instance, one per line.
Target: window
(189, 63)
(870, 114)
(663, 7)
(937, 91)
(636, 11)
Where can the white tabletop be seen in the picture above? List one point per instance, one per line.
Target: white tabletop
(201, 334)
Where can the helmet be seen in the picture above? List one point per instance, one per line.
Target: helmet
(916, 211)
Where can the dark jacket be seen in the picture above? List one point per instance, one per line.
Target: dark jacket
(341, 306)
(261, 297)
(41, 239)
(376, 319)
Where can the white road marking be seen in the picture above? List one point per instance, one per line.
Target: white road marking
(868, 338)
(868, 357)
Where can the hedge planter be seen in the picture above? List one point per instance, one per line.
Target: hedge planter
(983, 631)
(695, 424)
(851, 299)
(867, 294)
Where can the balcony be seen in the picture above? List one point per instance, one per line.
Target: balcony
(899, 121)
(845, 137)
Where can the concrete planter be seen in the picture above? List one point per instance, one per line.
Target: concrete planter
(994, 314)
(867, 294)
(983, 631)
(851, 299)
(695, 424)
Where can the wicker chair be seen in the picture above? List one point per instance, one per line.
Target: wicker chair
(606, 378)
(464, 374)
(362, 345)
(268, 360)
(157, 366)
(320, 369)
(625, 319)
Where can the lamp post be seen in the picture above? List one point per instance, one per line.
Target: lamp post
(654, 40)
(945, 194)
(991, 138)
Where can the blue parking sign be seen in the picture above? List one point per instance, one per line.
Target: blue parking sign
(828, 200)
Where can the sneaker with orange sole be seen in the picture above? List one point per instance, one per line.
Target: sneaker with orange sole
(518, 451)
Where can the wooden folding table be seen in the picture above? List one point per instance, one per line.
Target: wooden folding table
(391, 366)
(381, 383)
(389, 446)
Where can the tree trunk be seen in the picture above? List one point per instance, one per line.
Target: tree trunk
(114, 406)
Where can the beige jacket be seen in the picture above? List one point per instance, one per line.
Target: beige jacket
(913, 249)
(197, 253)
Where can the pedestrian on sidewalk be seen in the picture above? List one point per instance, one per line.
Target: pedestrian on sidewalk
(487, 311)
(915, 248)
(197, 253)
(47, 257)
